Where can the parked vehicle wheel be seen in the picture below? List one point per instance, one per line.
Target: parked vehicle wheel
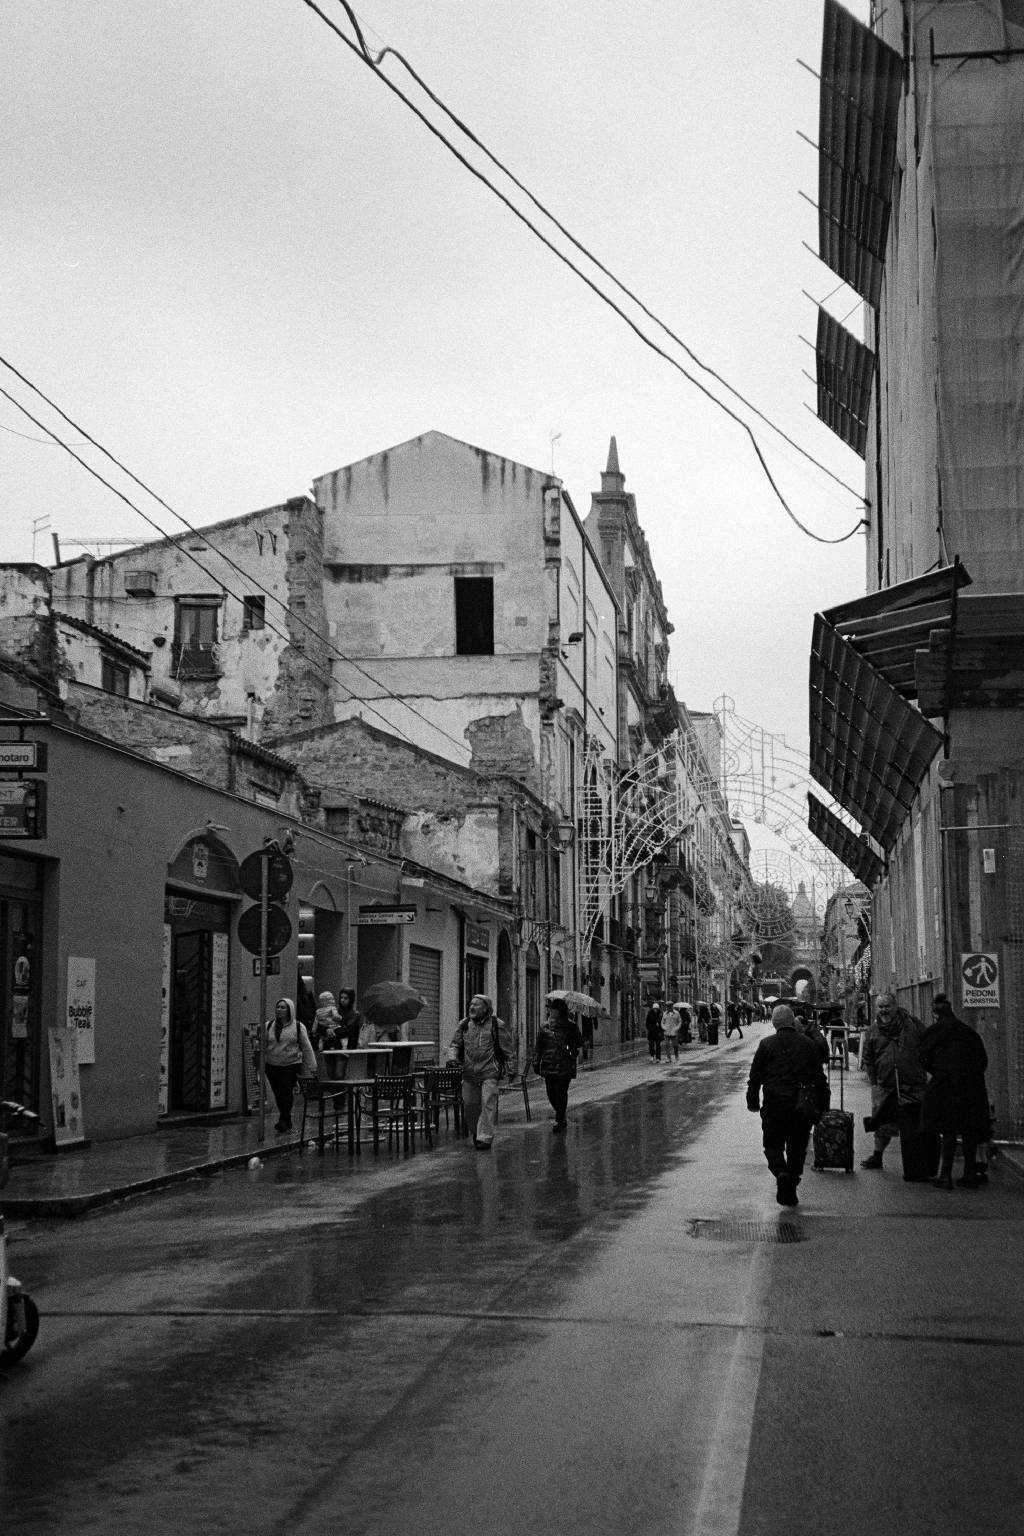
(21, 1346)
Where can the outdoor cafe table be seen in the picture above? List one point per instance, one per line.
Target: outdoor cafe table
(351, 1070)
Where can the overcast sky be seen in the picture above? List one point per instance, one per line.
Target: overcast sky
(239, 261)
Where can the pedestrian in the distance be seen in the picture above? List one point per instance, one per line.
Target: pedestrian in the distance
(686, 1015)
(956, 1098)
(703, 1020)
(671, 1024)
(287, 1056)
(483, 1046)
(559, 1041)
(733, 1020)
(782, 1063)
(655, 1033)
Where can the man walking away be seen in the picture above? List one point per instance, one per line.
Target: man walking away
(484, 1048)
(782, 1062)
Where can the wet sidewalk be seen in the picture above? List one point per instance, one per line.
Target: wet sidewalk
(68, 1183)
(64, 1184)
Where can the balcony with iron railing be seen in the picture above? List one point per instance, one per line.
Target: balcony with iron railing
(196, 659)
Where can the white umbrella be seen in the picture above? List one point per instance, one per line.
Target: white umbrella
(579, 1002)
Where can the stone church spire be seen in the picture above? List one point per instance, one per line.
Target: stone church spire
(613, 481)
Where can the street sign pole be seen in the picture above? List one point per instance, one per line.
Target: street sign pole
(264, 905)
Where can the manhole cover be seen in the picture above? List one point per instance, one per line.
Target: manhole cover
(747, 1231)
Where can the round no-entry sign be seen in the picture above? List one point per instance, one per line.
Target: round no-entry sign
(279, 874)
(279, 930)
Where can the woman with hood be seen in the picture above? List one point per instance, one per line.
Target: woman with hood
(287, 1056)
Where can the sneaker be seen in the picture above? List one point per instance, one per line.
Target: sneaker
(943, 1181)
(874, 1161)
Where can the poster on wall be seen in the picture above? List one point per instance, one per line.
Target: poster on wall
(219, 1022)
(81, 1014)
(163, 1097)
(65, 1088)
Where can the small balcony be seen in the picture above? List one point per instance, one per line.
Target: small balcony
(196, 660)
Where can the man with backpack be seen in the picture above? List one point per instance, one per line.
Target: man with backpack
(484, 1048)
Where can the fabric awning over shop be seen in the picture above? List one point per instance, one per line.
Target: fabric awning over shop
(891, 627)
(870, 749)
(849, 849)
(861, 78)
(845, 369)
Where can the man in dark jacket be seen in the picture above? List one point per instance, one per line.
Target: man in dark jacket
(782, 1062)
(891, 1058)
(956, 1098)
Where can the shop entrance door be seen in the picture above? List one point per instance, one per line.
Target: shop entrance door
(20, 1029)
(197, 1012)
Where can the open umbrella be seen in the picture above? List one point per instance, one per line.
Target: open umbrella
(389, 1003)
(579, 1002)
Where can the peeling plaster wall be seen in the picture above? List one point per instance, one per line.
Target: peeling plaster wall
(192, 746)
(24, 606)
(399, 527)
(464, 849)
(257, 555)
(452, 822)
(80, 657)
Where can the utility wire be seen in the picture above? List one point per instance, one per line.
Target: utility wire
(363, 54)
(585, 251)
(176, 540)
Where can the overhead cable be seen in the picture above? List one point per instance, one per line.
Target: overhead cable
(363, 54)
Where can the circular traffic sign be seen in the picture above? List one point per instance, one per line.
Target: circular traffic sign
(279, 930)
(279, 874)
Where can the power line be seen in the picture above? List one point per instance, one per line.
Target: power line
(363, 54)
(176, 540)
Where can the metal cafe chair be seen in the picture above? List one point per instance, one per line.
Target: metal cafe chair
(393, 1098)
(442, 1090)
(321, 1091)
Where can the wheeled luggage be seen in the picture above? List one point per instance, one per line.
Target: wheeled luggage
(833, 1134)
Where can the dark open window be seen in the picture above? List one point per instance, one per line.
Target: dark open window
(474, 616)
(253, 612)
(114, 676)
(195, 637)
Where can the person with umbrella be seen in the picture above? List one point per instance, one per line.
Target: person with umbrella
(386, 1007)
(554, 1058)
(483, 1046)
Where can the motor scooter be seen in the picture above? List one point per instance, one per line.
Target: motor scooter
(18, 1312)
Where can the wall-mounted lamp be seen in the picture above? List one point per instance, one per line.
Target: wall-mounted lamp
(565, 832)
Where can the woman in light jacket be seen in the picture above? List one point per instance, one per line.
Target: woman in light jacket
(287, 1056)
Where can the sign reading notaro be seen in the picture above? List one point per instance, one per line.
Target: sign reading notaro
(19, 755)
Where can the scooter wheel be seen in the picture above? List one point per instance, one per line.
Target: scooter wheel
(20, 1348)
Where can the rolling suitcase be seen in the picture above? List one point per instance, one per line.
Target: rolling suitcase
(833, 1135)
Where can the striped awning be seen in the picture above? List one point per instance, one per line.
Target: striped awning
(861, 79)
(849, 848)
(845, 370)
(870, 749)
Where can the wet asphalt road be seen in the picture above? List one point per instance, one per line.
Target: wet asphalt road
(597, 1333)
